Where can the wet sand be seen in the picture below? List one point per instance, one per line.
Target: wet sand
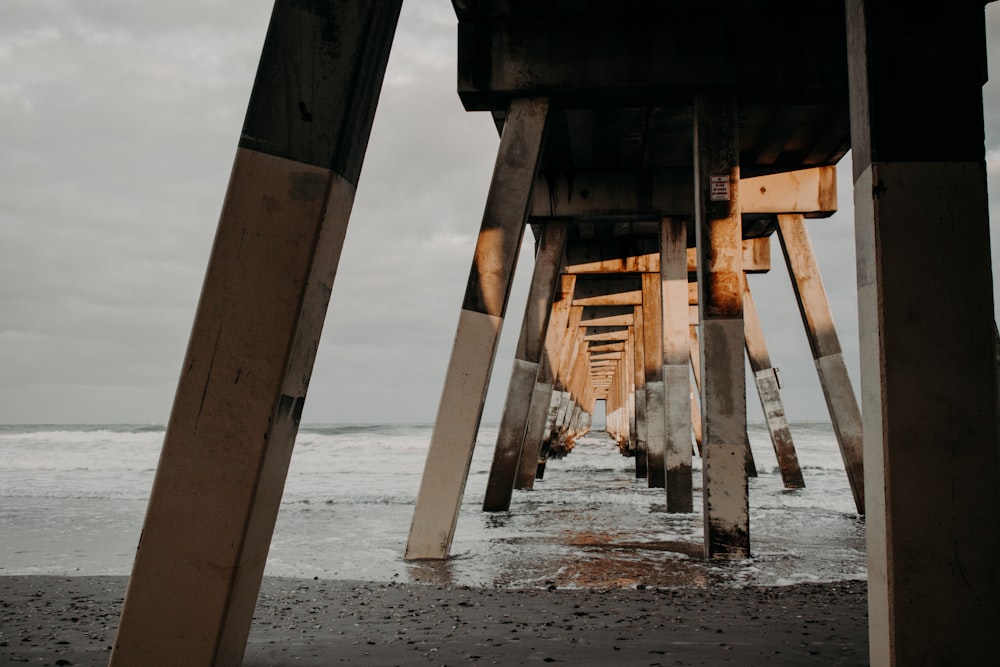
(48, 620)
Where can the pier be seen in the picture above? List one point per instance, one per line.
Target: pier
(657, 152)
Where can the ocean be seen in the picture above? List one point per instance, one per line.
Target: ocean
(72, 500)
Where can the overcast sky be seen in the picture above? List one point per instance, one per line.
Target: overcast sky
(119, 121)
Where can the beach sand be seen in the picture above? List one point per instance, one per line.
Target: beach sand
(47, 620)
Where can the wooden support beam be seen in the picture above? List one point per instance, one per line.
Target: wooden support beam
(221, 473)
(811, 192)
(609, 194)
(626, 384)
(627, 391)
(608, 348)
(676, 376)
(568, 354)
(606, 336)
(619, 299)
(825, 345)
(720, 277)
(652, 342)
(644, 193)
(695, 356)
(639, 378)
(611, 256)
(766, 379)
(756, 255)
(637, 255)
(483, 309)
(696, 417)
(577, 371)
(590, 290)
(610, 321)
(527, 357)
(541, 396)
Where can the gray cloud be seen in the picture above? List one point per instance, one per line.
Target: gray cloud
(120, 120)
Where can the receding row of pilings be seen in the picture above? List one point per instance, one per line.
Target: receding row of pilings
(614, 313)
(627, 414)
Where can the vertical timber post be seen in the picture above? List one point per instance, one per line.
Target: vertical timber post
(925, 311)
(627, 371)
(825, 345)
(561, 399)
(652, 342)
(541, 397)
(694, 352)
(695, 417)
(523, 376)
(639, 366)
(676, 375)
(218, 485)
(460, 411)
(720, 280)
(766, 380)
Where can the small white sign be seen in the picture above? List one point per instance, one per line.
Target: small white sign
(720, 188)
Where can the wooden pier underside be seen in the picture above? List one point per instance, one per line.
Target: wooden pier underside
(645, 130)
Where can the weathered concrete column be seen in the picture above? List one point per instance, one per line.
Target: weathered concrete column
(639, 369)
(652, 342)
(720, 298)
(825, 345)
(926, 310)
(225, 454)
(468, 376)
(676, 376)
(766, 379)
(527, 357)
(541, 397)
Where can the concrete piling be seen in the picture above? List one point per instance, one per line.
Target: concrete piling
(926, 317)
